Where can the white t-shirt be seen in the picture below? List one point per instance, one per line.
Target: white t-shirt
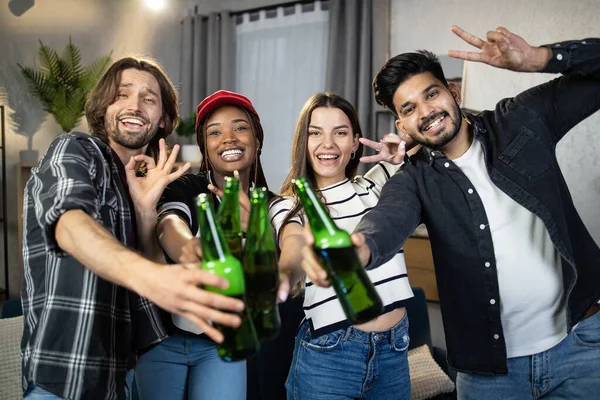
(529, 266)
(347, 202)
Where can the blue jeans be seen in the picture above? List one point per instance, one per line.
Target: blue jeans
(187, 366)
(37, 393)
(569, 370)
(350, 363)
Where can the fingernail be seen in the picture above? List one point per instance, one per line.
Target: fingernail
(403, 144)
(282, 296)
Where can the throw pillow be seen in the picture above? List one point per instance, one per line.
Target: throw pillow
(426, 377)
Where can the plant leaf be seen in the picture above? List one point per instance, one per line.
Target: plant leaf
(62, 83)
(92, 74)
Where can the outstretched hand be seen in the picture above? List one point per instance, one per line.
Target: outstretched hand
(181, 289)
(244, 202)
(311, 266)
(502, 49)
(146, 190)
(390, 149)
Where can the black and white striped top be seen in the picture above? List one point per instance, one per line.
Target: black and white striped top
(347, 202)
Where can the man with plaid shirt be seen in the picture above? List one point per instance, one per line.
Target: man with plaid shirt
(89, 244)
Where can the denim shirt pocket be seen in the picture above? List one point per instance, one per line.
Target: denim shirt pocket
(527, 154)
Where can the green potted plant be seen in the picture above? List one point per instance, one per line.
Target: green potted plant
(62, 84)
(190, 152)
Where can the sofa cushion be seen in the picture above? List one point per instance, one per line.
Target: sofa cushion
(426, 377)
(11, 330)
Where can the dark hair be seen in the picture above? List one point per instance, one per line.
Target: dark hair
(300, 164)
(257, 174)
(105, 93)
(401, 68)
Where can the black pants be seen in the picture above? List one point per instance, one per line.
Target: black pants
(268, 370)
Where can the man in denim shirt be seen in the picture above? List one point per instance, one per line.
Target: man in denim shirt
(517, 271)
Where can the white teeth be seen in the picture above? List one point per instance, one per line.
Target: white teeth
(132, 121)
(232, 152)
(327, 156)
(434, 124)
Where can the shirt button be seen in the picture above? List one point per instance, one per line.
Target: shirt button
(492, 301)
(482, 226)
(496, 336)
(433, 153)
(470, 191)
(559, 57)
(487, 264)
(447, 164)
(583, 42)
(557, 45)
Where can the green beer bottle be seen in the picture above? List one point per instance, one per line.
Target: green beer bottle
(241, 342)
(334, 249)
(260, 268)
(229, 216)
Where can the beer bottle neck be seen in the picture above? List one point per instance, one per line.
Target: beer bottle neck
(318, 218)
(229, 210)
(259, 233)
(214, 246)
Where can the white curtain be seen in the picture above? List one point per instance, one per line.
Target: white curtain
(280, 63)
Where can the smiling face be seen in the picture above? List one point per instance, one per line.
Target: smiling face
(428, 110)
(135, 115)
(230, 142)
(331, 142)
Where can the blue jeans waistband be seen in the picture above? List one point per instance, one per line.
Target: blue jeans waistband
(353, 333)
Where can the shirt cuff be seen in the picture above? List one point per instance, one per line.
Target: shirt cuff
(560, 60)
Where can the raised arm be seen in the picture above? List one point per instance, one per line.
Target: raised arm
(145, 192)
(176, 239)
(65, 192)
(291, 241)
(172, 288)
(563, 102)
(177, 223)
(395, 217)
(288, 233)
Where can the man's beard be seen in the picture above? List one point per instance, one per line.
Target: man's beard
(133, 141)
(444, 137)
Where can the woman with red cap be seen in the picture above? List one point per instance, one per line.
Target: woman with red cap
(186, 365)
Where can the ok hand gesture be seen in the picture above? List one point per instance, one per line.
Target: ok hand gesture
(146, 190)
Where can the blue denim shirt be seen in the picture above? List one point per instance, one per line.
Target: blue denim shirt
(519, 137)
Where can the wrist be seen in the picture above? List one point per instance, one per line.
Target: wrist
(540, 58)
(139, 276)
(143, 214)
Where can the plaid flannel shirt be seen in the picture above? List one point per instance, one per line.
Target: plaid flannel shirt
(78, 327)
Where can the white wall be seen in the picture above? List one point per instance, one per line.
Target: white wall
(425, 24)
(97, 27)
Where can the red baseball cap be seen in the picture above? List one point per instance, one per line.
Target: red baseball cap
(222, 98)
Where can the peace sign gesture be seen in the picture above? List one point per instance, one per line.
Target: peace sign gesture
(502, 49)
(391, 149)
